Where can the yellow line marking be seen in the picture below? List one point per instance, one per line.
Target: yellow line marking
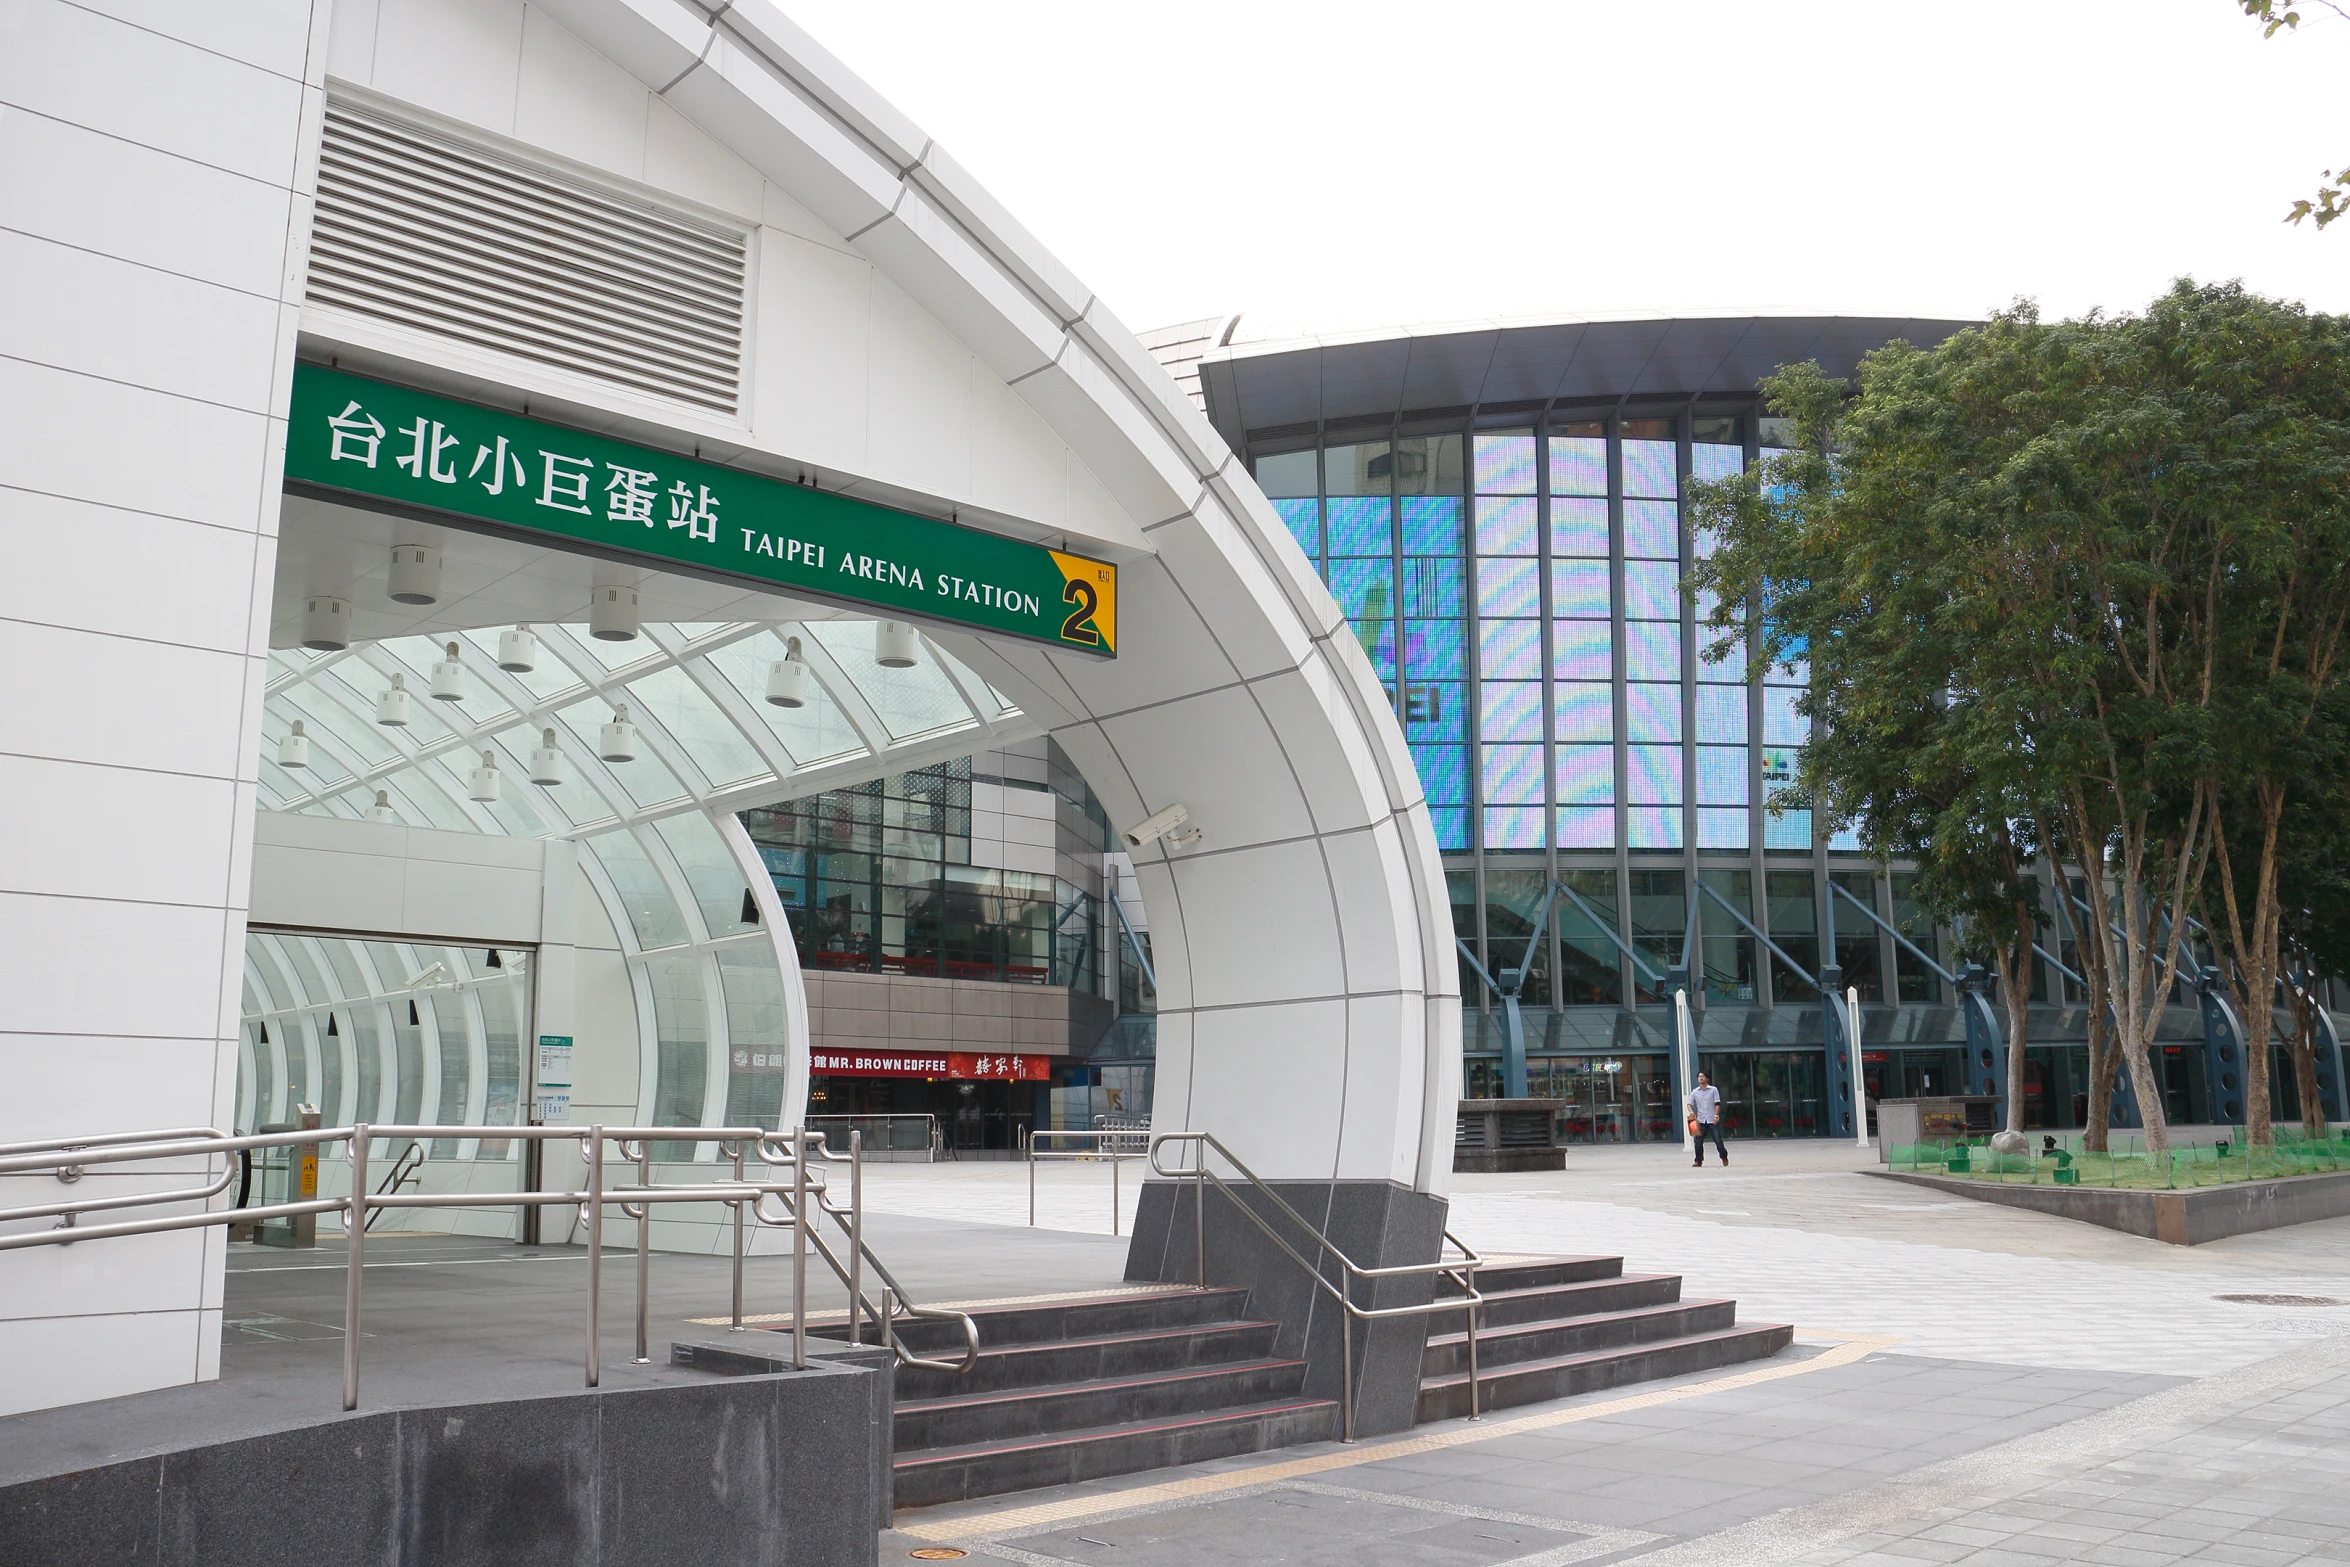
(1849, 1348)
(841, 1313)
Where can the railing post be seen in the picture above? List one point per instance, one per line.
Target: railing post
(856, 1237)
(738, 1242)
(355, 1228)
(595, 1175)
(799, 1252)
(1474, 1412)
(1346, 1356)
(1029, 1149)
(889, 1312)
(644, 1246)
(1199, 1211)
(1114, 1203)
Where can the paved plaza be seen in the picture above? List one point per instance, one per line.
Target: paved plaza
(1968, 1384)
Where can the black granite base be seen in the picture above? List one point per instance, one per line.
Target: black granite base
(1377, 1223)
(751, 1470)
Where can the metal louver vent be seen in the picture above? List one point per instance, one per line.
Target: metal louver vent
(463, 243)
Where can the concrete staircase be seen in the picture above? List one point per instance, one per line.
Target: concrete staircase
(1092, 1388)
(1560, 1326)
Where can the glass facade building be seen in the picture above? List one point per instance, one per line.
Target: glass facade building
(1516, 571)
(1504, 516)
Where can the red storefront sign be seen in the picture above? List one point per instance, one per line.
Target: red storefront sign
(950, 1064)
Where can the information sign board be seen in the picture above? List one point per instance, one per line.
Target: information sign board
(352, 440)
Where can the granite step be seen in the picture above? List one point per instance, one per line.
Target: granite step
(1447, 1354)
(1447, 1397)
(977, 1419)
(929, 1476)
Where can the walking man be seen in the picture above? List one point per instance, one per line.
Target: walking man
(1705, 1119)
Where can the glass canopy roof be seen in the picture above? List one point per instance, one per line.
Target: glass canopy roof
(663, 850)
(707, 738)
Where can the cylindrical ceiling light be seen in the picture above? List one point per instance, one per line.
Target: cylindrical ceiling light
(895, 645)
(787, 680)
(546, 763)
(448, 678)
(391, 708)
(518, 650)
(381, 810)
(416, 574)
(294, 749)
(482, 783)
(616, 741)
(612, 615)
(326, 624)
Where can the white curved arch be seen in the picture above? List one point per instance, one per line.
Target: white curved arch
(1308, 994)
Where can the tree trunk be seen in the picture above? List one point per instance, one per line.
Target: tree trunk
(2015, 984)
(2148, 1087)
(2313, 1104)
(2103, 1061)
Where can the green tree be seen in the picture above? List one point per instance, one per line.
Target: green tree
(2055, 583)
(2333, 193)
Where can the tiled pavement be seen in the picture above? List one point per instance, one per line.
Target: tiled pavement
(2056, 1393)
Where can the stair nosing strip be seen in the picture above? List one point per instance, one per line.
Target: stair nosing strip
(1072, 1389)
(1544, 1324)
(924, 1456)
(1122, 1338)
(1461, 1379)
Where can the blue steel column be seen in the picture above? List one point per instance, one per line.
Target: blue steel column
(1843, 1055)
(1986, 1041)
(2225, 1042)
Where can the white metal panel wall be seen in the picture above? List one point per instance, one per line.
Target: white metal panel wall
(149, 201)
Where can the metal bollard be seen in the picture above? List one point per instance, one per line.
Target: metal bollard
(738, 1243)
(799, 1252)
(355, 1224)
(856, 1236)
(595, 1175)
(644, 1248)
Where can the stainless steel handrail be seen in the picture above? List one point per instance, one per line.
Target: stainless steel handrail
(846, 1124)
(803, 1194)
(1462, 1272)
(894, 1299)
(1115, 1145)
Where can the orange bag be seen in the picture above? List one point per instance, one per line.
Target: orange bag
(1693, 1131)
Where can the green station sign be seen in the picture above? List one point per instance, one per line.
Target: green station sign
(356, 440)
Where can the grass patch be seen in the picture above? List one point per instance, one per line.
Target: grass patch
(2127, 1166)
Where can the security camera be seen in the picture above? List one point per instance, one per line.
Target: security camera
(1167, 824)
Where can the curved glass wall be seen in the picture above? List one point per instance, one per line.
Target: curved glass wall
(347, 1025)
(1518, 583)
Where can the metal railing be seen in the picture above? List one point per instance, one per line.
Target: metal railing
(1111, 1145)
(883, 1133)
(1462, 1272)
(801, 1196)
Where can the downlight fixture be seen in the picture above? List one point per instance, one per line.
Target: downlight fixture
(326, 624)
(616, 741)
(294, 750)
(381, 810)
(546, 763)
(787, 679)
(448, 677)
(391, 708)
(518, 650)
(895, 645)
(482, 783)
(416, 574)
(612, 615)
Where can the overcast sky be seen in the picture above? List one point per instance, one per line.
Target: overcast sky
(1335, 166)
